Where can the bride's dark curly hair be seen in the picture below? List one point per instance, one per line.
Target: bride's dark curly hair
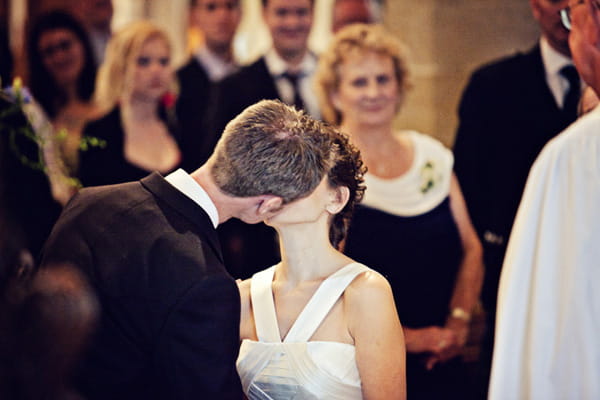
(346, 169)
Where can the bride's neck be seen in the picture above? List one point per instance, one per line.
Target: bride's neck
(307, 254)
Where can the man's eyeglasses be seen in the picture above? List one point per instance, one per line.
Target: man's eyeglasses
(565, 13)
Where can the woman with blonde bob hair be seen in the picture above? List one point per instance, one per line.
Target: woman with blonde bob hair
(133, 89)
(413, 226)
(356, 40)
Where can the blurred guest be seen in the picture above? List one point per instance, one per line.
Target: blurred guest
(45, 322)
(132, 87)
(511, 106)
(548, 301)
(61, 75)
(27, 209)
(285, 72)
(96, 16)
(413, 226)
(346, 12)
(211, 62)
(6, 65)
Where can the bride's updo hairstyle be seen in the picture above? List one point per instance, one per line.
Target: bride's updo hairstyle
(347, 169)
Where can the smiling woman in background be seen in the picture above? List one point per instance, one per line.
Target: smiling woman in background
(133, 83)
(413, 226)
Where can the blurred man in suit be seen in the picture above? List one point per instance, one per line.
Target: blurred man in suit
(217, 21)
(285, 72)
(509, 110)
(96, 16)
(548, 303)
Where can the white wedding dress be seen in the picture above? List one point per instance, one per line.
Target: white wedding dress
(296, 368)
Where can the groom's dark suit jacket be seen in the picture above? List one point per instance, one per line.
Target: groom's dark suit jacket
(169, 324)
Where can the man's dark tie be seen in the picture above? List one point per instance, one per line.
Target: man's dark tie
(571, 99)
(294, 79)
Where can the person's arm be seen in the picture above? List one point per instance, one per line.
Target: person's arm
(375, 327)
(431, 339)
(247, 329)
(470, 274)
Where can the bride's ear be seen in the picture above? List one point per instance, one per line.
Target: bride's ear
(338, 199)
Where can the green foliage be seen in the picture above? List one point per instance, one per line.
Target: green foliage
(34, 128)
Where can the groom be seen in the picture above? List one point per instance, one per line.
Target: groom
(169, 325)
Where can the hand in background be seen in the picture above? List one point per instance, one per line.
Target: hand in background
(440, 342)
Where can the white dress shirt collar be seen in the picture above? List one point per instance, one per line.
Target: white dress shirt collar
(277, 65)
(183, 182)
(553, 63)
(215, 67)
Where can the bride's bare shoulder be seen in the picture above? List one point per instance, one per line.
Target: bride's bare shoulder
(369, 289)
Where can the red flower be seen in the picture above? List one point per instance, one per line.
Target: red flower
(168, 99)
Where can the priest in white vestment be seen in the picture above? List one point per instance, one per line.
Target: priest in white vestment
(548, 318)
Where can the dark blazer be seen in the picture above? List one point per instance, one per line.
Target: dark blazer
(249, 85)
(169, 324)
(507, 114)
(247, 248)
(195, 95)
(107, 165)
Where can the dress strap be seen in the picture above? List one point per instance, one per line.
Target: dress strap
(263, 306)
(322, 301)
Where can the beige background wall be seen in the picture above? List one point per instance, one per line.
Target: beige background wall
(448, 39)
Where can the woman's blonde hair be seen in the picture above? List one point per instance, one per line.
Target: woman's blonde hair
(116, 71)
(352, 40)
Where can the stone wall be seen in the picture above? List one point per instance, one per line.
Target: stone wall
(448, 39)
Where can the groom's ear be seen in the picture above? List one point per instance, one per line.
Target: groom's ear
(269, 205)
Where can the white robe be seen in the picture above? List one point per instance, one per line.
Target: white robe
(548, 317)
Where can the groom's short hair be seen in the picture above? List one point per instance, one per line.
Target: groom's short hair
(272, 148)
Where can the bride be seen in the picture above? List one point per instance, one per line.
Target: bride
(317, 324)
